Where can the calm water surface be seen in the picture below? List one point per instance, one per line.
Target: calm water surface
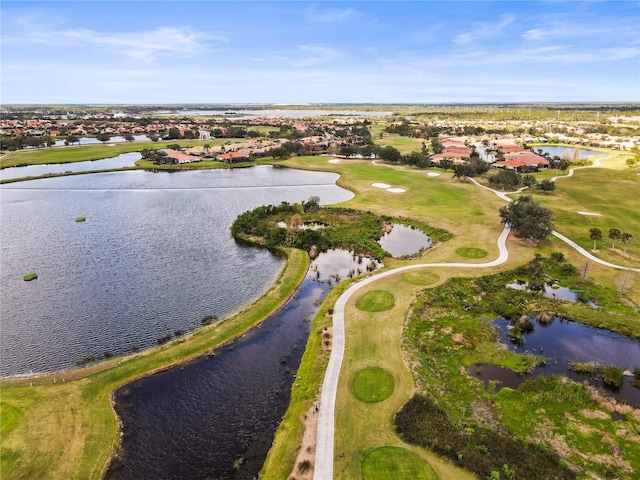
(559, 151)
(154, 256)
(121, 161)
(562, 341)
(404, 240)
(196, 421)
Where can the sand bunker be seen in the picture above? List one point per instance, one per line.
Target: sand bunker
(380, 185)
(396, 190)
(433, 174)
(335, 160)
(111, 145)
(590, 213)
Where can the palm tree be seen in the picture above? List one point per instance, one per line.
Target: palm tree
(614, 234)
(626, 237)
(595, 234)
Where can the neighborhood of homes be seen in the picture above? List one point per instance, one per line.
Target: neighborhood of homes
(515, 156)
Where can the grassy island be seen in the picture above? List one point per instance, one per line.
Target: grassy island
(30, 276)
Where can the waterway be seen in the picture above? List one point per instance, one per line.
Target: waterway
(120, 161)
(215, 417)
(153, 257)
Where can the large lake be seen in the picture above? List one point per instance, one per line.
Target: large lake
(153, 256)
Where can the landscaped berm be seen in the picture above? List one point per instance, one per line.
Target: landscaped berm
(387, 463)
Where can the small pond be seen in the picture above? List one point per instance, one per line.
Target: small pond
(550, 291)
(120, 161)
(560, 151)
(562, 341)
(198, 420)
(404, 240)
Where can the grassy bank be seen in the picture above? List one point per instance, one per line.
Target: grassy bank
(63, 426)
(85, 153)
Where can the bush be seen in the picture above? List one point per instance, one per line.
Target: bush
(478, 449)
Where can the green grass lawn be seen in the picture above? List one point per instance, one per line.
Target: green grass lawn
(376, 301)
(396, 463)
(471, 252)
(372, 384)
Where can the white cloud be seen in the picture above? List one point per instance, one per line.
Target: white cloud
(333, 15)
(484, 30)
(179, 42)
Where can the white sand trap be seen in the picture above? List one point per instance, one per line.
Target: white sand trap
(335, 160)
(433, 174)
(380, 185)
(396, 190)
(590, 213)
(111, 145)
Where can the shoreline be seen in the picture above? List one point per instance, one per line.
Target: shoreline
(83, 398)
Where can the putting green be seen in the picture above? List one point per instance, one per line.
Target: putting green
(470, 252)
(376, 301)
(420, 278)
(372, 385)
(395, 462)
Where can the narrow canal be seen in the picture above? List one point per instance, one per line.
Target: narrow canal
(215, 417)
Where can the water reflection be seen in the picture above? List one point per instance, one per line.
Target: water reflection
(215, 417)
(561, 341)
(404, 240)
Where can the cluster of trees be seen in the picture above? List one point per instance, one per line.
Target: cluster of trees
(530, 220)
(19, 142)
(509, 179)
(158, 157)
(614, 235)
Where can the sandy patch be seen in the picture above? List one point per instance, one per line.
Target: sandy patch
(111, 145)
(591, 213)
(308, 446)
(335, 160)
(396, 190)
(433, 174)
(380, 185)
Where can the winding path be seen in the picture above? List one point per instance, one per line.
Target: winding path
(326, 416)
(324, 457)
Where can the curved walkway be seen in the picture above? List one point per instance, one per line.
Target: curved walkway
(568, 241)
(326, 416)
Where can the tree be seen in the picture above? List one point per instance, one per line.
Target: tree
(625, 238)
(445, 164)
(462, 171)
(530, 220)
(436, 146)
(72, 139)
(614, 235)
(529, 181)
(390, 154)
(129, 138)
(547, 185)
(103, 137)
(173, 134)
(506, 178)
(595, 234)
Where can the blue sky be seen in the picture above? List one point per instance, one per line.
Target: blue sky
(319, 52)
